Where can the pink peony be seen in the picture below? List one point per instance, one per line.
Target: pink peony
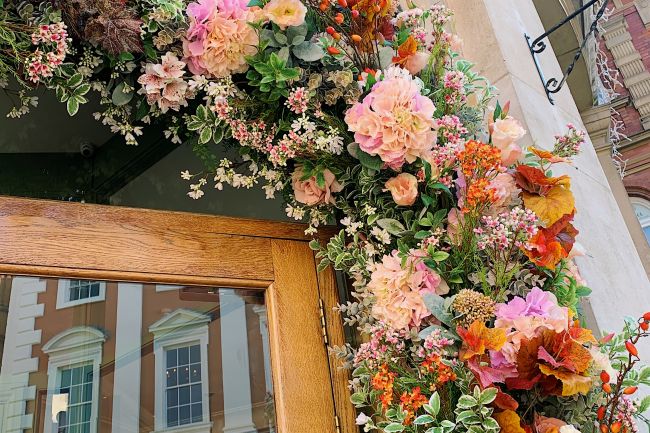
(286, 13)
(162, 83)
(394, 120)
(309, 192)
(398, 291)
(505, 132)
(403, 188)
(219, 37)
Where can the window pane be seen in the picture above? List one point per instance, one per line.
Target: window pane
(192, 341)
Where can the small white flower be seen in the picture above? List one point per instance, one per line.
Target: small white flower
(363, 419)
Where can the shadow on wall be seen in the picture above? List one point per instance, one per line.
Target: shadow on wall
(160, 187)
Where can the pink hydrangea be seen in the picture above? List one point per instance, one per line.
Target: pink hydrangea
(219, 37)
(524, 319)
(398, 290)
(394, 121)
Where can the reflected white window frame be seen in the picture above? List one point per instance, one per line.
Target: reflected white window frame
(70, 348)
(642, 211)
(179, 328)
(63, 295)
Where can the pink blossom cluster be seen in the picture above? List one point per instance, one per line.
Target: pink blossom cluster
(384, 343)
(52, 42)
(625, 414)
(408, 18)
(394, 121)
(163, 83)
(255, 134)
(434, 344)
(298, 100)
(454, 81)
(451, 129)
(568, 145)
(439, 15)
(507, 230)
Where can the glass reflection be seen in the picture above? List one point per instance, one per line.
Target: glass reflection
(98, 357)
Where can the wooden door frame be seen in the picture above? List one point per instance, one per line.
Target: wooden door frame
(149, 246)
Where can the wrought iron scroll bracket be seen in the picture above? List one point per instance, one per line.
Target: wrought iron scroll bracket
(538, 45)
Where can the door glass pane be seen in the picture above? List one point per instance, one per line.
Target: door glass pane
(134, 358)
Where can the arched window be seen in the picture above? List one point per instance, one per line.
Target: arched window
(642, 210)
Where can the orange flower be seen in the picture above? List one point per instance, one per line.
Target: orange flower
(478, 158)
(550, 245)
(411, 403)
(478, 338)
(383, 381)
(443, 373)
(479, 194)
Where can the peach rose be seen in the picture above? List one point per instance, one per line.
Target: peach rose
(286, 13)
(505, 189)
(309, 192)
(415, 63)
(403, 188)
(505, 132)
(548, 425)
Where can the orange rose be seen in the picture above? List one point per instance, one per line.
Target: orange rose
(403, 188)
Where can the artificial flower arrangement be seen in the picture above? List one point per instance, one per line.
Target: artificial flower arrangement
(459, 244)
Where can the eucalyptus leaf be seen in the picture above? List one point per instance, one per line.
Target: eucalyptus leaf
(436, 305)
(372, 162)
(309, 52)
(118, 96)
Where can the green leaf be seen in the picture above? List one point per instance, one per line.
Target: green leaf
(72, 106)
(394, 427)
(309, 52)
(280, 37)
(443, 187)
(315, 245)
(436, 305)
(118, 96)
(205, 135)
(466, 402)
(444, 331)
(392, 226)
(358, 398)
(125, 56)
(583, 291)
(490, 423)
(422, 234)
(75, 80)
(434, 402)
(497, 111)
(435, 430)
(82, 89)
(217, 136)
(644, 405)
(487, 396)
(423, 419)
(440, 256)
(447, 425)
(372, 162)
(253, 3)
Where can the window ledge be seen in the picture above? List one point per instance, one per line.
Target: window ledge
(203, 427)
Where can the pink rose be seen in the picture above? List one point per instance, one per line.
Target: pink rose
(309, 192)
(415, 63)
(505, 189)
(403, 188)
(505, 132)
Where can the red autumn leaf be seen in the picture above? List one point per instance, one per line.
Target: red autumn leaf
(552, 244)
(505, 401)
(478, 339)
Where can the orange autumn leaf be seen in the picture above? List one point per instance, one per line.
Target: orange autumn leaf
(552, 244)
(509, 422)
(557, 202)
(545, 154)
(572, 383)
(478, 338)
(535, 181)
(408, 48)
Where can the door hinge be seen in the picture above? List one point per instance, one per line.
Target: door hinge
(337, 424)
(323, 327)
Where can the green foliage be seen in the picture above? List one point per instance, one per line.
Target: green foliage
(270, 76)
(72, 92)
(206, 124)
(473, 413)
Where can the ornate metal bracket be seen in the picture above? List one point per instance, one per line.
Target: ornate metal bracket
(553, 85)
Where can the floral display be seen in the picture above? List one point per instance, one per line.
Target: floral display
(459, 242)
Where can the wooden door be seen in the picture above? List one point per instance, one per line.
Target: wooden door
(79, 241)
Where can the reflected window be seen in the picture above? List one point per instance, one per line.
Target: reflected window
(642, 211)
(183, 394)
(76, 384)
(76, 292)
